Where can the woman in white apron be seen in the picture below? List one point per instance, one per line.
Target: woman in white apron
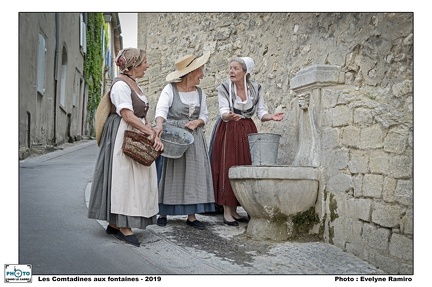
(124, 192)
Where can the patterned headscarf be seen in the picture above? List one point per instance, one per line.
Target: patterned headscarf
(129, 58)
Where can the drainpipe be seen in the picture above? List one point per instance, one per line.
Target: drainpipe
(56, 60)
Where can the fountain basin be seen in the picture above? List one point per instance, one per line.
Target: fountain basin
(273, 195)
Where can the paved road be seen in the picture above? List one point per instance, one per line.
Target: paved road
(57, 237)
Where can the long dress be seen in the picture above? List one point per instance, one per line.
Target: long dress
(229, 140)
(186, 185)
(230, 148)
(123, 192)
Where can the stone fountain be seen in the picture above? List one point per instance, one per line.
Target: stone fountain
(273, 195)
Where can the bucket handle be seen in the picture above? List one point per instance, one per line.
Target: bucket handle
(253, 143)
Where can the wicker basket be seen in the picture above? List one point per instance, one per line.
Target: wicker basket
(138, 147)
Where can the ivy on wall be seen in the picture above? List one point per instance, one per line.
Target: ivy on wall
(97, 34)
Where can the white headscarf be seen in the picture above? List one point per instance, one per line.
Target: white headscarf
(249, 67)
(249, 64)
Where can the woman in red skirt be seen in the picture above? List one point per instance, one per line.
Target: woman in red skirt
(239, 99)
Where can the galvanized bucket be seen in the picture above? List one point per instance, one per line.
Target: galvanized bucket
(264, 148)
(176, 141)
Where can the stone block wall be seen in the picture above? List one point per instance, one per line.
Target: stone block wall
(368, 168)
(364, 122)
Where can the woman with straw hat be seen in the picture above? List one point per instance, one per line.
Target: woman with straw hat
(185, 186)
(239, 99)
(124, 192)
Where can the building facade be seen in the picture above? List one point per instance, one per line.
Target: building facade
(53, 93)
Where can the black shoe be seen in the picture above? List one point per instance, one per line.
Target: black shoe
(230, 223)
(241, 219)
(161, 221)
(131, 239)
(196, 223)
(111, 230)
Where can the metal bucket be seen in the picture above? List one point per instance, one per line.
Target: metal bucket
(176, 141)
(264, 148)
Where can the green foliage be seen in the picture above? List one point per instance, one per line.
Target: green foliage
(303, 221)
(333, 208)
(93, 62)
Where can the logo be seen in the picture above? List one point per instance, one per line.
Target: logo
(19, 273)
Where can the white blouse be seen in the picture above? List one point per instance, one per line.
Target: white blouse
(121, 96)
(224, 106)
(188, 98)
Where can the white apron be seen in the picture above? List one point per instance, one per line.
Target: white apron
(134, 189)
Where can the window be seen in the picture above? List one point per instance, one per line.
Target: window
(83, 36)
(63, 86)
(40, 77)
(63, 78)
(75, 88)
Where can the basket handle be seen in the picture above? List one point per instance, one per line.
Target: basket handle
(140, 133)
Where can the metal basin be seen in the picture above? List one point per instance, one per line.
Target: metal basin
(176, 141)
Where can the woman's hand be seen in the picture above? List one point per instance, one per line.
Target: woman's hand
(231, 116)
(152, 134)
(278, 116)
(137, 123)
(158, 145)
(192, 125)
(159, 130)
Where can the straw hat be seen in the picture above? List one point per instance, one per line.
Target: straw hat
(186, 65)
(102, 112)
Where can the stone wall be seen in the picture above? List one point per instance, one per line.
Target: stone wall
(368, 160)
(365, 201)
(364, 123)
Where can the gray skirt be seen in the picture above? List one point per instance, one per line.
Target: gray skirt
(186, 185)
(100, 194)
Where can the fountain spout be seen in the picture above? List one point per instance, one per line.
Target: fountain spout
(307, 84)
(309, 141)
